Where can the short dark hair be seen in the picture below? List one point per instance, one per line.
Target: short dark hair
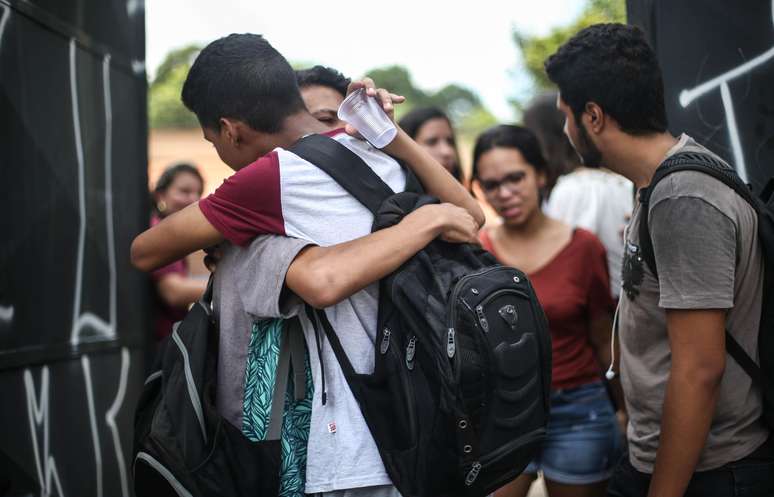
(510, 136)
(323, 76)
(241, 76)
(542, 117)
(614, 66)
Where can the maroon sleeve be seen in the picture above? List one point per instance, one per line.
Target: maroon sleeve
(248, 203)
(600, 301)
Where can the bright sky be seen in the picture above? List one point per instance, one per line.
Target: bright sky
(470, 45)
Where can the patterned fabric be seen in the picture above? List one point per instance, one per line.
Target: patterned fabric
(260, 375)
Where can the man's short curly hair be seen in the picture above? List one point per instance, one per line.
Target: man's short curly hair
(614, 66)
(323, 76)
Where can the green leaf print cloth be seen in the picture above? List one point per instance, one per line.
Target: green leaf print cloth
(260, 375)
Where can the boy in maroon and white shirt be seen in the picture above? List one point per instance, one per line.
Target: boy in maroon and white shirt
(282, 194)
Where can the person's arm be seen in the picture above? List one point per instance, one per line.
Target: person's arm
(600, 305)
(173, 238)
(435, 178)
(689, 236)
(697, 342)
(323, 276)
(180, 291)
(600, 334)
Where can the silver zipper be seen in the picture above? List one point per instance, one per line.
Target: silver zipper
(450, 346)
(482, 318)
(410, 351)
(385, 341)
(473, 473)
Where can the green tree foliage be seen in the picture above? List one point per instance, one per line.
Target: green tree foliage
(535, 49)
(462, 105)
(165, 109)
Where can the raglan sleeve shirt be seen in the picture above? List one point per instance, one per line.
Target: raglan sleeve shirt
(248, 203)
(696, 254)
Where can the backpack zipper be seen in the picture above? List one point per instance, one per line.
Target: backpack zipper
(410, 351)
(451, 342)
(385, 341)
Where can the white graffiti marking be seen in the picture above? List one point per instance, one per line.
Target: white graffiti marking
(37, 412)
(86, 365)
(720, 82)
(87, 320)
(110, 420)
(4, 20)
(6, 313)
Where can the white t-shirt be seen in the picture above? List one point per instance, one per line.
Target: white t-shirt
(598, 201)
(283, 194)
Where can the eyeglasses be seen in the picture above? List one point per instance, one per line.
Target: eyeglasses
(509, 181)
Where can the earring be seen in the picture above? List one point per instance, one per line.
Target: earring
(161, 206)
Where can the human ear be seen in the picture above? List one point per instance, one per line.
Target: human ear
(541, 180)
(596, 117)
(229, 131)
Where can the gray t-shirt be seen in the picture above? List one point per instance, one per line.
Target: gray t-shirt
(246, 278)
(708, 257)
(249, 286)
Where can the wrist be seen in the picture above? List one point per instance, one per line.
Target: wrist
(397, 147)
(426, 221)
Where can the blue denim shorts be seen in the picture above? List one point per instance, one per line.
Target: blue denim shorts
(583, 443)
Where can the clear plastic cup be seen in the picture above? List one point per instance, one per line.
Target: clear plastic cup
(366, 115)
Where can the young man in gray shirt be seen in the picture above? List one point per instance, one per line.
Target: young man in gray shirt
(695, 423)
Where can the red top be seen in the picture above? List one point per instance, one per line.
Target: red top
(574, 289)
(166, 315)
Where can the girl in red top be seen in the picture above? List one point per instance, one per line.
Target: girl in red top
(568, 269)
(178, 186)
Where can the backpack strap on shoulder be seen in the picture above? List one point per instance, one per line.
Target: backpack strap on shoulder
(684, 161)
(346, 169)
(274, 429)
(707, 164)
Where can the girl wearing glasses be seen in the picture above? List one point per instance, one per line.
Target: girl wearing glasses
(568, 269)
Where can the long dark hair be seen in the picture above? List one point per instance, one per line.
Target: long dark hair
(543, 118)
(168, 177)
(413, 121)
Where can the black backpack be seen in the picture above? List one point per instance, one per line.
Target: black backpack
(459, 397)
(762, 374)
(182, 445)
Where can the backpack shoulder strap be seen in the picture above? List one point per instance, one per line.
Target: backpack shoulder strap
(685, 161)
(704, 163)
(346, 169)
(288, 348)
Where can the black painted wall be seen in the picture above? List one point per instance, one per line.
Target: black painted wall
(718, 62)
(73, 191)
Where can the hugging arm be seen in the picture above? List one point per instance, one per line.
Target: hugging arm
(323, 276)
(173, 238)
(435, 178)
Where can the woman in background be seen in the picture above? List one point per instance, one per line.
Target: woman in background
(581, 195)
(432, 129)
(178, 186)
(568, 269)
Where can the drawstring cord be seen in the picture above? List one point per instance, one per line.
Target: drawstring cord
(610, 374)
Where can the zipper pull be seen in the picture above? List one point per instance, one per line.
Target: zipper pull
(473, 473)
(482, 318)
(385, 341)
(450, 346)
(410, 351)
